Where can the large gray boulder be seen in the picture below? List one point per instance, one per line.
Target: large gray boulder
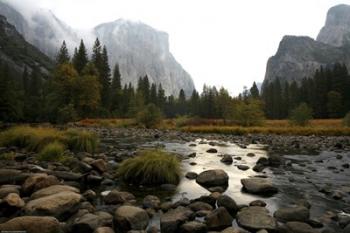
(32, 224)
(212, 178)
(256, 218)
(299, 227)
(130, 218)
(218, 219)
(258, 186)
(289, 214)
(171, 221)
(53, 190)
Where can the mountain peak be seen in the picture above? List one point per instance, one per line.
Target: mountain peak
(336, 31)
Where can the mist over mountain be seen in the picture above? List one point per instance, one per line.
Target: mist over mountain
(298, 57)
(138, 48)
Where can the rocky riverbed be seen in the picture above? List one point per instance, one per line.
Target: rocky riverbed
(230, 184)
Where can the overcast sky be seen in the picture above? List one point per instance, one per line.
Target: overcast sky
(219, 42)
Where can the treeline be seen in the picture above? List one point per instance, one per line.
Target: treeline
(327, 93)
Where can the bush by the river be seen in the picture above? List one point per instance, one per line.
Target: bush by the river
(150, 116)
(151, 167)
(301, 115)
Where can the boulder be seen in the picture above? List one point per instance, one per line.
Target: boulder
(59, 205)
(88, 223)
(11, 176)
(171, 221)
(32, 224)
(243, 167)
(151, 201)
(292, 214)
(99, 164)
(227, 159)
(104, 230)
(13, 200)
(212, 178)
(67, 176)
(130, 218)
(218, 219)
(256, 218)
(212, 150)
(116, 197)
(193, 227)
(38, 181)
(258, 186)
(198, 206)
(53, 190)
(7, 189)
(229, 204)
(231, 230)
(299, 227)
(191, 175)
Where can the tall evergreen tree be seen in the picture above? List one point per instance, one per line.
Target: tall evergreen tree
(254, 91)
(80, 58)
(63, 54)
(117, 92)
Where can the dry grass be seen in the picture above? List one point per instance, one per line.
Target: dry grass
(107, 123)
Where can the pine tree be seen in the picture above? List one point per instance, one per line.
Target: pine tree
(181, 103)
(80, 58)
(35, 95)
(63, 54)
(153, 94)
(116, 92)
(161, 99)
(194, 103)
(254, 91)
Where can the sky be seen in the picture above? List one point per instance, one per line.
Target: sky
(218, 42)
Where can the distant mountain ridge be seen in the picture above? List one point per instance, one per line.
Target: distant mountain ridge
(298, 57)
(138, 48)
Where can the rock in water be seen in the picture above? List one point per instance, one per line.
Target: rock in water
(58, 205)
(219, 219)
(130, 218)
(212, 178)
(53, 190)
(256, 218)
(259, 186)
(32, 224)
(38, 181)
(297, 214)
(171, 221)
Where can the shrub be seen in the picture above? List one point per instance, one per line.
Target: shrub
(248, 113)
(150, 116)
(67, 114)
(81, 140)
(301, 115)
(34, 139)
(53, 151)
(346, 120)
(150, 167)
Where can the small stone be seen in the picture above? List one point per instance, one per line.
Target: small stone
(151, 201)
(212, 150)
(243, 167)
(191, 175)
(258, 203)
(227, 159)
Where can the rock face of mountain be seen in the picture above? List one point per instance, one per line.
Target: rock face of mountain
(298, 57)
(17, 53)
(139, 50)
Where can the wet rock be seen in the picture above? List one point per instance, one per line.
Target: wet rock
(212, 150)
(59, 205)
(231, 230)
(11, 204)
(256, 218)
(104, 230)
(38, 181)
(211, 178)
(182, 202)
(229, 204)
(151, 201)
(218, 219)
(292, 214)
(191, 175)
(192, 155)
(198, 205)
(100, 165)
(89, 195)
(243, 167)
(275, 160)
(171, 221)
(193, 227)
(337, 195)
(116, 197)
(193, 163)
(11, 176)
(168, 187)
(258, 203)
(130, 218)
(343, 220)
(89, 222)
(217, 189)
(263, 161)
(258, 168)
(7, 189)
(251, 155)
(67, 176)
(314, 223)
(210, 199)
(346, 165)
(32, 224)
(53, 190)
(299, 227)
(227, 159)
(238, 158)
(258, 186)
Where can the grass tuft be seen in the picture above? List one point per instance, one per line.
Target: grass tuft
(53, 151)
(151, 167)
(9, 156)
(81, 140)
